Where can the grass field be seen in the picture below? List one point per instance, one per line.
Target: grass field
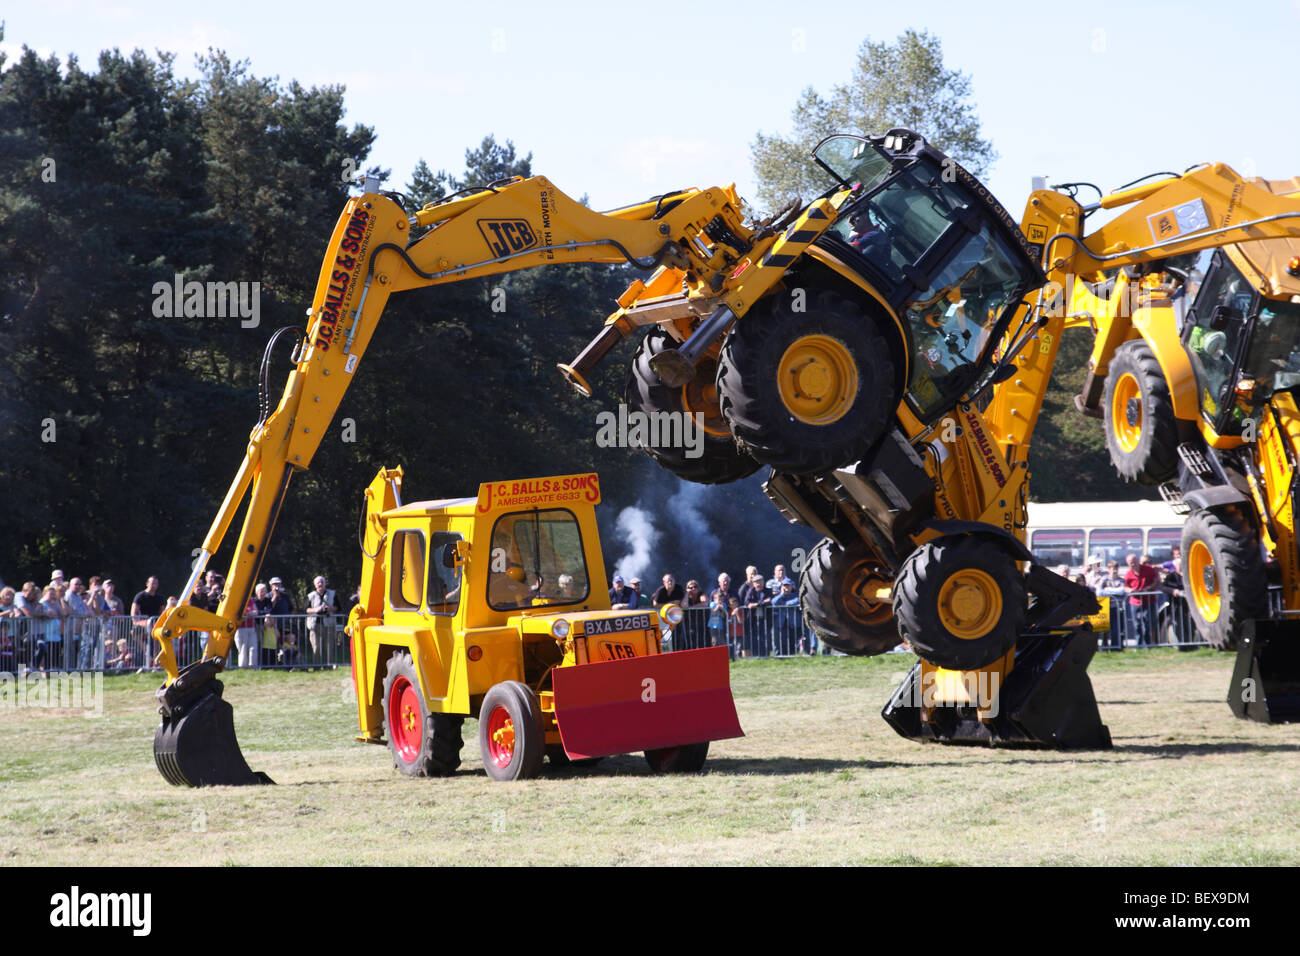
(820, 779)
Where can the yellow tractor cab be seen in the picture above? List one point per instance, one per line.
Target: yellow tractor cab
(495, 607)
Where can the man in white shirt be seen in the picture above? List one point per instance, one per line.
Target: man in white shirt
(321, 628)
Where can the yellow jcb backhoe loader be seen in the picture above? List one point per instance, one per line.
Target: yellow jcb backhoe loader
(1194, 375)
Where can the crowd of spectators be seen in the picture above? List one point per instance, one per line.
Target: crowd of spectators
(67, 625)
(1136, 593)
(733, 617)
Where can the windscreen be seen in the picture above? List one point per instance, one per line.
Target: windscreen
(1273, 360)
(537, 558)
(853, 161)
(953, 320)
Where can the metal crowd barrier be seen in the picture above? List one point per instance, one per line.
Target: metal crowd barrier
(121, 644)
(763, 631)
(1148, 619)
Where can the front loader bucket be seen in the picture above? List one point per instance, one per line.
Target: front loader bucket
(1046, 701)
(195, 745)
(645, 703)
(1266, 677)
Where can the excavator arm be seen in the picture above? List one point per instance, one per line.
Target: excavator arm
(710, 268)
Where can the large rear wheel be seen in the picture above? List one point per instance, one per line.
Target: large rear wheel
(423, 744)
(960, 601)
(806, 389)
(838, 591)
(711, 458)
(510, 734)
(1138, 414)
(688, 758)
(1223, 575)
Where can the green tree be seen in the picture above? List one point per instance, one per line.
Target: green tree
(899, 84)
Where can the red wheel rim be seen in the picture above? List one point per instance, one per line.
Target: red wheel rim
(404, 721)
(500, 737)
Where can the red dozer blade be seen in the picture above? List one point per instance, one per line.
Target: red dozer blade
(195, 745)
(645, 703)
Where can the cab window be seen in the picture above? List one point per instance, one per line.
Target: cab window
(406, 571)
(444, 574)
(537, 558)
(1214, 334)
(952, 320)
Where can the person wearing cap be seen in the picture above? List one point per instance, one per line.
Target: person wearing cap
(56, 579)
(621, 597)
(641, 599)
(1095, 571)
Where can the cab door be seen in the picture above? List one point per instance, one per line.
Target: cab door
(1216, 337)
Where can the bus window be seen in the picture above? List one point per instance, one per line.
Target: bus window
(1161, 543)
(1116, 544)
(1058, 547)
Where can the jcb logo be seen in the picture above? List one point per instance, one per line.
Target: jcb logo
(507, 236)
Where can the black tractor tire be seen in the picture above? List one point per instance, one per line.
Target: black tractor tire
(520, 707)
(558, 758)
(833, 593)
(688, 758)
(1138, 417)
(720, 459)
(435, 751)
(950, 581)
(750, 373)
(1232, 587)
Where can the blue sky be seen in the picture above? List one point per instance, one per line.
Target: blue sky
(623, 101)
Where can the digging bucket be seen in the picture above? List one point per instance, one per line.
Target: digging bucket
(645, 703)
(195, 745)
(1266, 677)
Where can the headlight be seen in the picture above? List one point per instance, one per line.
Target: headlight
(672, 613)
(560, 629)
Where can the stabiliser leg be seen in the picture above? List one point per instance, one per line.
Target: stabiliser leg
(1045, 701)
(195, 745)
(1266, 677)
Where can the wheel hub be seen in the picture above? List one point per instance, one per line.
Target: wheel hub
(1126, 412)
(1133, 413)
(970, 603)
(404, 719)
(818, 379)
(1204, 580)
(501, 737)
(862, 584)
(700, 397)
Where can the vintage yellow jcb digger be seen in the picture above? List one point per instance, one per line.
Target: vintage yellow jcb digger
(495, 607)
